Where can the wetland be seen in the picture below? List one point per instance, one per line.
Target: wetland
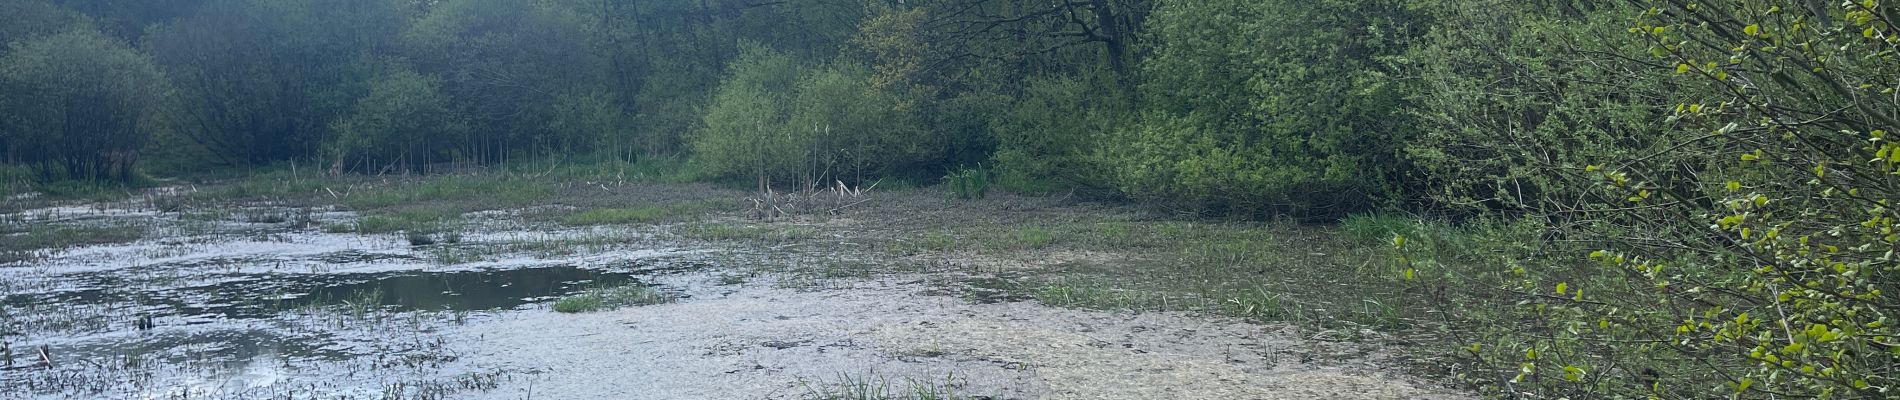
(279, 287)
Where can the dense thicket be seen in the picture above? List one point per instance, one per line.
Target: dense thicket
(1729, 162)
(79, 104)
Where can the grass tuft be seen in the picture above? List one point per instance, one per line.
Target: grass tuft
(638, 215)
(876, 386)
(764, 233)
(1034, 238)
(1377, 228)
(610, 298)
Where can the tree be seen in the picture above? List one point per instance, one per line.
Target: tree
(1055, 130)
(1259, 108)
(75, 105)
(1768, 216)
(746, 130)
(505, 64)
(854, 128)
(583, 122)
(781, 121)
(403, 123)
(27, 19)
(260, 81)
(1726, 167)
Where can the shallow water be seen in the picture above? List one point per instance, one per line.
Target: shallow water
(230, 307)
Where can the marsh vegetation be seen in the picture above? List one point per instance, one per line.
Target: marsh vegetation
(1396, 198)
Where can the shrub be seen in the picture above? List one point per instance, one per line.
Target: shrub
(1268, 108)
(1049, 138)
(76, 105)
(775, 120)
(403, 122)
(1737, 242)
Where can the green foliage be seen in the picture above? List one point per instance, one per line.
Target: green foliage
(1503, 118)
(1781, 257)
(587, 121)
(600, 299)
(77, 105)
(968, 183)
(507, 67)
(639, 215)
(745, 126)
(28, 19)
(776, 121)
(1736, 225)
(472, 192)
(1055, 129)
(1263, 108)
(402, 123)
(413, 221)
(1376, 228)
(260, 81)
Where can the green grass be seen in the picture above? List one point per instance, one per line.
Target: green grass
(874, 386)
(757, 233)
(938, 241)
(637, 215)
(1319, 276)
(424, 220)
(601, 299)
(1377, 228)
(968, 183)
(1034, 238)
(20, 243)
(472, 192)
(666, 169)
(280, 185)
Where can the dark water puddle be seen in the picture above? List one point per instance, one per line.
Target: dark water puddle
(224, 324)
(465, 290)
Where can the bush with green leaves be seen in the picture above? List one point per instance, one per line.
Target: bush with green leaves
(588, 121)
(777, 120)
(506, 67)
(1262, 108)
(1054, 131)
(1510, 99)
(260, 81)
(404, 123)
(745, 131)
(1738, 229)
(77, 105)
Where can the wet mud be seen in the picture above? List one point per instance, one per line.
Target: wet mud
(238, 306)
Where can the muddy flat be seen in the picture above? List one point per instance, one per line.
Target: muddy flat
(757, 342)
(266, 302)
